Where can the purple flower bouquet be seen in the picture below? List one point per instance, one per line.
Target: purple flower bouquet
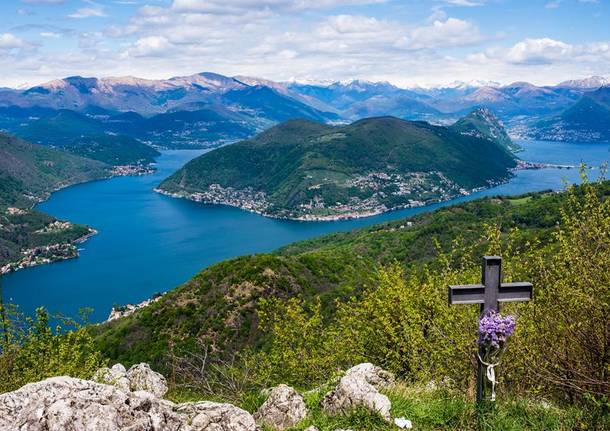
(494, 330)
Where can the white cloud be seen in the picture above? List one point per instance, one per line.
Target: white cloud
(231, 7)
(442, 34)
(550, 51)
(537, 51)
(50, 34)
(10, 41)
(88, 12)
(553, 4)
(43, 1)
(93, 10)
(150, 46)
(465, 3)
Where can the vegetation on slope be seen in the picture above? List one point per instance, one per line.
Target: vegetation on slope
(32, 171)
(221, 303)
(302, 168)
(28, 173)
(32, 350)
(301, 314)
(483, 124)
(379, 295)
(115, 150)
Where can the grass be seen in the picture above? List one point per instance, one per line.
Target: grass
(443, 409)
(520, 201)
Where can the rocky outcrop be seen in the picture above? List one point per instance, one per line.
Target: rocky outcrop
(359, 387)
(116, 376)
(209, 416)
(376, 376)
(139, 378)
(142, 378)
(283, 409)
(69, 404)
(121, 399)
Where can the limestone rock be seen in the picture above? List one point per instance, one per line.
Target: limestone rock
(210, 416)
(376, 376)
(69, 404)
(359, 387)
(283, 409)
(142, 378)
(116, 376)
(311, 428)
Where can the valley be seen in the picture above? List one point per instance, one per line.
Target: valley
(149, 243)
(296, 215)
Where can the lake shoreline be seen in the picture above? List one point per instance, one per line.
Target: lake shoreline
(67, 250)
(151, 243)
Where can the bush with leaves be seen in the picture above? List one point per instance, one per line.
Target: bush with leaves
(31, 350)
(561, 348)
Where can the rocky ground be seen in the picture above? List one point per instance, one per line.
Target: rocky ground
(119, 399)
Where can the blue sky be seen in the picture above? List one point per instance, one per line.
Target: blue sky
(402, 41)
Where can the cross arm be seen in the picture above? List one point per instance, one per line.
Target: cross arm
(466, 294)
(516, 292)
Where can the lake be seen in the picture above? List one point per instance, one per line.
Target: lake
(150, 243)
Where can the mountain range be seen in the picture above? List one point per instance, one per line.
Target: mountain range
(208, 109)
(586, 121)
(311, 171)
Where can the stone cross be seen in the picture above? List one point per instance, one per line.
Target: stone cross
(490, 294)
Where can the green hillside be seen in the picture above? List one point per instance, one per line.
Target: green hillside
(483, 124)
(28, 173)
(379, 295)
(221, 303)
(303, 169)
(113, 150)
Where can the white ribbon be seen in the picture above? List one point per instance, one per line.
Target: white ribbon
(491, 376)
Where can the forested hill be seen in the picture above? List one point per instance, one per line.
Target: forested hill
(28, 173)
(221, 304)
(482, 123)
(306, 170)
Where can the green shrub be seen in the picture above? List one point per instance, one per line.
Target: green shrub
(30, 350)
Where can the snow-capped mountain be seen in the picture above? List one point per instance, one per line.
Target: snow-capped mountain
(590, 83)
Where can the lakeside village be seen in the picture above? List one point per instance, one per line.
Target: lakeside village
(119, 311)
(46, 253)
(132, 170)
(388, 192)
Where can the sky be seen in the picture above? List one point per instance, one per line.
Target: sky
(405, 42)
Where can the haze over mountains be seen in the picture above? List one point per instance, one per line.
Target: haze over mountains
(209, 109)
(587, 120)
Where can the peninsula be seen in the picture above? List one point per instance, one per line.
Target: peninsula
(303, 170)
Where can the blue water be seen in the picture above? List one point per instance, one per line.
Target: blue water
(150, 243)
